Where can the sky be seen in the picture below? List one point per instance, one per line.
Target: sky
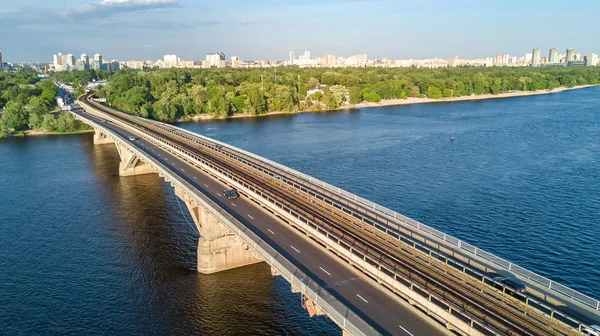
(34, 30)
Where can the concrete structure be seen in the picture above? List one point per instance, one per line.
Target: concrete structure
(570, 55)
(553, 56)
(291, 57)
(535, 58)
(171, 60)
(214, 59)
(1, 61)
(592, 60)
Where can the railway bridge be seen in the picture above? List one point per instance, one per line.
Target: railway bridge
(369, 269)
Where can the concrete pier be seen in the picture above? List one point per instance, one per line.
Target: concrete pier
(219, 249)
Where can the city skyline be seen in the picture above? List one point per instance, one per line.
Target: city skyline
(308, 59)
(136, 29)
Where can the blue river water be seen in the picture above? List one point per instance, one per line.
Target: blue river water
(83, 250)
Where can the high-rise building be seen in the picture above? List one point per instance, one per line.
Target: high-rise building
(528, 57)
(570, 55)
(292, 56)
(535, 57)
(553, 56)
(592, 60)
(1, 61)
(84, 61)
(214, 59)
(235, 61)
(97, 63)
(170, 60)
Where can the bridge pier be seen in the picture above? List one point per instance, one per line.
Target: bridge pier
(131, 164)
(219, 249)
(101, 138)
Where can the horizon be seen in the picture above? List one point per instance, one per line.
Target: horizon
(149, 29)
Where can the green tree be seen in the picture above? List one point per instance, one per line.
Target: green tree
(15, 116)
(434, 92)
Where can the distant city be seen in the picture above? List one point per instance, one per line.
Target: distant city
(68, 62)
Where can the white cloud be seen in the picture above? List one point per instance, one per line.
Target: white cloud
(106, 8)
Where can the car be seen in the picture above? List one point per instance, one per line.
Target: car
(231, 193)
(592, 330)
(103, 120)
(511, 283)
(131, 138)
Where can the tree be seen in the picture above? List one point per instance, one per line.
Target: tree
(15, 116)
(447, 93)
(434, 92)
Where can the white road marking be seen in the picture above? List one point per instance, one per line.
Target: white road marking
(322, 269)
(295, 249)
(408, 332)
(182, 170)
(233, 204)
(159, 155)
(250, 216)
(218, 194)
(362, 298)
(206, 185)
(270, 231)
(173, 163)
(195, 178)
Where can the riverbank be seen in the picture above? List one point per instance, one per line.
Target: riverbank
(408, 101)
(40, 133)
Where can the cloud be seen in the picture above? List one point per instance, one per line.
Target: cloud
(107, 8)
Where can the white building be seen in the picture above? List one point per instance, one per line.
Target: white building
(170, 60)
(592, 60)
(214, 59)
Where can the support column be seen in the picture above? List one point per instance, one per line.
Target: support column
(130, 163)
(101, 138)
(219, 249)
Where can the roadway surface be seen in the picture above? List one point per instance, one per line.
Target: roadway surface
(382, 310)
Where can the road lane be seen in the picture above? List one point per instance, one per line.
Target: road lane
(384, 312)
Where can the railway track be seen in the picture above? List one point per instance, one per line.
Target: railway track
(497, 310)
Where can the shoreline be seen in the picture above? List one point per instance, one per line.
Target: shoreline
(398, 102)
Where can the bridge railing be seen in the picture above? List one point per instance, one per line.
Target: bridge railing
(335, 309)
(425, 230)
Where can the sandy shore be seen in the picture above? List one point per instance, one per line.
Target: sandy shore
(393, 102)
(35, 133)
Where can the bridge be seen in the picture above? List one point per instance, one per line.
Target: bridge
(369, 269)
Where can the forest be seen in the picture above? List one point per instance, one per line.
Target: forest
(178, 94)
(28, 103)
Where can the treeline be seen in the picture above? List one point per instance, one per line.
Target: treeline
(80, 78)
(175, 94)
(27, 101)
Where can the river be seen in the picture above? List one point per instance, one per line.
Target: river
(83, 250)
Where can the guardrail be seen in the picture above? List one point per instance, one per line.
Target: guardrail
(427, 231)
(336, 310)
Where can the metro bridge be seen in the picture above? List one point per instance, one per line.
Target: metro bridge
(369, 269)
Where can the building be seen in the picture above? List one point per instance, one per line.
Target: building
(291, 57)
(553, 56)
(528, 58)
(1, 61)
(214, 59)
(592, 60)
(236, 62)
(97, 62)
(570, 55)
(328, 60)
(535, 57)
(170, 60)
(357, 60)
